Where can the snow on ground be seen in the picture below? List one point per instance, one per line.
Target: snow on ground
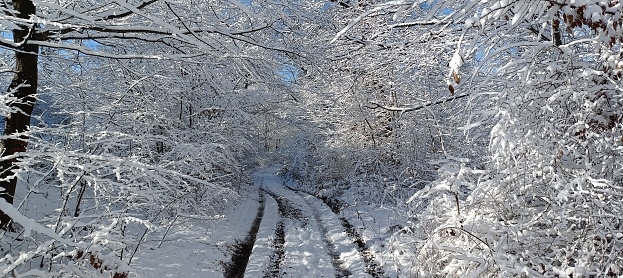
(305, 254)
(264, 249)
(196, 248)
(315, 242)
(378, 227)
(343, 244)
(298, 236)
(374, 229)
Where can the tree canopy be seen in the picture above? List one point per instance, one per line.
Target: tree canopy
(495, 127)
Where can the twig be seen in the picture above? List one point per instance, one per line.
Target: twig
(376, 105)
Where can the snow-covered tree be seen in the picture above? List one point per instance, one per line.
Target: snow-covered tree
(548, 92)
(146, 111)
(381, 104)
(174, 30)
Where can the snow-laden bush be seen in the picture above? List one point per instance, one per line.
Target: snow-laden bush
(548, 201)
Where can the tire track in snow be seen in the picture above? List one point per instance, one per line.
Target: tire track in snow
(286, 210)
(265, 242)
(274, 267)
(299, 240)
(337, 262)
(241, 250)
(372, 267)
(276, 260)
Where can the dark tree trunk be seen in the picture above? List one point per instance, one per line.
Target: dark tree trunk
(24, 88)
(557, 36)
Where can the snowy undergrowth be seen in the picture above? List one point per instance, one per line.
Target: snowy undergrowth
(81, 214)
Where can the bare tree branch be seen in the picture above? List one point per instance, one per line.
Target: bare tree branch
(376, 105)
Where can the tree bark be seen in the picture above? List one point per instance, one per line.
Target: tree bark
(556, 35)
(23, 88)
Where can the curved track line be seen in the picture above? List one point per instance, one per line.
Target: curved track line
(372, 266)
(242, 249)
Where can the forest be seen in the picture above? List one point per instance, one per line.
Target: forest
(311, 138)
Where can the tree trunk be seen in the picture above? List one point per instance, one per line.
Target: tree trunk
(556, 35)
(24, 88)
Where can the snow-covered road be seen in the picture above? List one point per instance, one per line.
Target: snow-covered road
(273, 232)
(301, 237)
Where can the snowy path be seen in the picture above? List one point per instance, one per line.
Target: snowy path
(273, 232)
(265, 240)
(305, 238)
(347, 242)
